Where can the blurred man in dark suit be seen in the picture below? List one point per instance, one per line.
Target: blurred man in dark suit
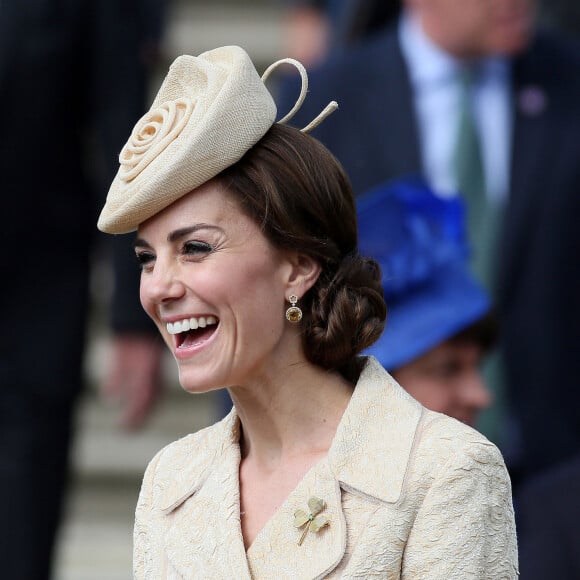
(440, 323)
(403, 98)
(547, 516)
(72, 84)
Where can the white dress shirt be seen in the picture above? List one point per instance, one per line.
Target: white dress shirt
(435, 79)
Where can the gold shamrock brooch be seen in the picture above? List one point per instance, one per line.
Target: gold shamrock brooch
(313, 521)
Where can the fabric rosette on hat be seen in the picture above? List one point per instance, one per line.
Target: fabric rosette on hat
(419, 240)
(209, 111)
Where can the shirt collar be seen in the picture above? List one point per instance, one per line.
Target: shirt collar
(429, 64)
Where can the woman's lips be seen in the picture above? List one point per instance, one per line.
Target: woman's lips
(195, 337)
(193, 341)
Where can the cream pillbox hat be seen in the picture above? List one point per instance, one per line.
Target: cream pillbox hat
(209, 111)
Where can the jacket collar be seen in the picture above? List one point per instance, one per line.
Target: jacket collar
(373, 443)
(368, 456)
(369, 453)
(185, 465)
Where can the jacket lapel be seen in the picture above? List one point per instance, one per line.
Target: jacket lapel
(395, 111)
(532, 150)
(204, 538)
(368, 456)
(371, 85)
(385, 108)
(375, 438)
(275, 552)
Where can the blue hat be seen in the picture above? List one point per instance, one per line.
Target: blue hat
(419, 241)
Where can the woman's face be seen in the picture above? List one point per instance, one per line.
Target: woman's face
(216, 289)
(448, 379)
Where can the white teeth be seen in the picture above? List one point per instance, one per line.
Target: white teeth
(190, 324)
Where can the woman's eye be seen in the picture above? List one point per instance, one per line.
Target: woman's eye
(144, 259)
(196, 248)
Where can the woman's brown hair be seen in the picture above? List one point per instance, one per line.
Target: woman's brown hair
(300, 196)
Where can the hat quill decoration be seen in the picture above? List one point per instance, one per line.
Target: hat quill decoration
(209, 111)
(330, 108)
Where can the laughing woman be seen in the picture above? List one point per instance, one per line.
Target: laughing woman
(325, 468)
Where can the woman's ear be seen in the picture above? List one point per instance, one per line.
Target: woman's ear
(303, 274)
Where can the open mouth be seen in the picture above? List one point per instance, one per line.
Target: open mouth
(192, 331)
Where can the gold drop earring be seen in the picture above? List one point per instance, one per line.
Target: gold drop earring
(293, 314)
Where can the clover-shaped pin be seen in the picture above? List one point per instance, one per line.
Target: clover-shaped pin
(312, 520)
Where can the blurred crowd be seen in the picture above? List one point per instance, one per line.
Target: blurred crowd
(481, 100)
(73, 79)
(458, 126)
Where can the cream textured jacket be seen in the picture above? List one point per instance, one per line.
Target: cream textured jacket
(409, 494)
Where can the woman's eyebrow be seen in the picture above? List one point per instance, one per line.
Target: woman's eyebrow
(177, 234)
(182, 232)
(141, 243)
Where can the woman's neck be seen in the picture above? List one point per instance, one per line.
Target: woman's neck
(292, 414)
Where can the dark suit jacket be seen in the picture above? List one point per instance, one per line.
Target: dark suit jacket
(374, 134)
(548, 512)
(72, 85)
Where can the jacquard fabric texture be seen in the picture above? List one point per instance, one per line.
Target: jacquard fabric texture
(410, 494)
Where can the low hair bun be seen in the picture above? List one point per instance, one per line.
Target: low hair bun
(300, 197)
(347, 314)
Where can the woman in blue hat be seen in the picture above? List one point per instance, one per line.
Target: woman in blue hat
(440, 320)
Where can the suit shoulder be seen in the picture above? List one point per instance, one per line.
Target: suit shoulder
(342, 76)
(551, 60)
(364, 63)
(441, 439)
(557, 47)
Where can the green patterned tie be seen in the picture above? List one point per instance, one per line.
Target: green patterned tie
(483, 220)
(470, 176)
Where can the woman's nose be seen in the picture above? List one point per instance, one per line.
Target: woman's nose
(162, 284)
(476, 392)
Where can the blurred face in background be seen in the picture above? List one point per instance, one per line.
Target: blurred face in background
(476, 28)
(447, 379)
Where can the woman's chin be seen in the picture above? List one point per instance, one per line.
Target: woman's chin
(196, 384)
